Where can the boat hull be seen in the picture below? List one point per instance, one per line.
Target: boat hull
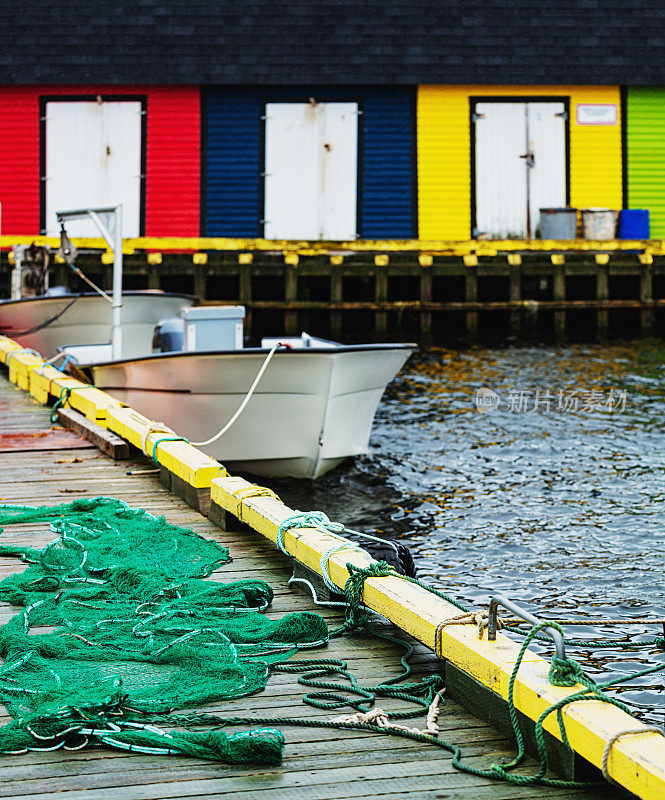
(88, 320)
(311, 410)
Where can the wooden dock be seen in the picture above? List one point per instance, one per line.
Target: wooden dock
(43, 469)
(433, 292)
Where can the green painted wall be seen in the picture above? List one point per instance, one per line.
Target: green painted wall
(646, 154)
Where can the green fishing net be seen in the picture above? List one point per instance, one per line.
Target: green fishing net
(119, 622)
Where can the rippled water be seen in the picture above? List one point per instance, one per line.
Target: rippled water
(561, 509)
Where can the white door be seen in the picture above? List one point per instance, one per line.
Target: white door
(311, 170)
(520, 165)
(93, 158)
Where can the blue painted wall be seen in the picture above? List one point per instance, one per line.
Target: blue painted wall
(233, 158)
(232, 133)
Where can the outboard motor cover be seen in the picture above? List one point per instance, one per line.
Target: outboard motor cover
(168, 335)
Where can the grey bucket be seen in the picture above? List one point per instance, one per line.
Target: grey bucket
(599, 223)
(558, 223)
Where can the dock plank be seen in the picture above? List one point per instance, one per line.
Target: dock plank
(319, 764)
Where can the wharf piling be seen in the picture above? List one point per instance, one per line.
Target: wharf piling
(432, 292)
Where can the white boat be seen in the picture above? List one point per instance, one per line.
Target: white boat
(293, 410)
(77, 319)
(313, 407)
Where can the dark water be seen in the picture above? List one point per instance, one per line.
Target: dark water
(561, 509)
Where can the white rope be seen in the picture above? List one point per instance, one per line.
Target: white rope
(378, 717)
(99, 291)
(153, 427)
(628, 732)
(12, 353)
(244, 402)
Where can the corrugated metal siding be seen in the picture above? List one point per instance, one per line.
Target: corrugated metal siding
(646, 154)
(387, 165)
(444, 176)
(444, 158)
(596, 163)
(232, 138)
(19, 161)
(234, 158)
(173, 161)
(172, 203)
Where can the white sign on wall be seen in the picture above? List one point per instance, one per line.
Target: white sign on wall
(597, 114)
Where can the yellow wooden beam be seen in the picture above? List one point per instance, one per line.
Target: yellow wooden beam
(436, 247)
(636, 762)
(20, 365)
(40, 382)
(7, 346)
(180, 458)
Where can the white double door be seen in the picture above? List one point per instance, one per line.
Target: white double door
(93, 159)
(311, 170)
(520, 166)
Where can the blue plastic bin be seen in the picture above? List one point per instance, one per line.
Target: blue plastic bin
(634, 223)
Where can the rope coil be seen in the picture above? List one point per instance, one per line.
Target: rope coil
(613, 739)
(246, 492)
(61, 402)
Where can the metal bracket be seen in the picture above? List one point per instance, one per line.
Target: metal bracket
(518, 611)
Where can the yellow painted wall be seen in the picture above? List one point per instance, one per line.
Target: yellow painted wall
(444, 153)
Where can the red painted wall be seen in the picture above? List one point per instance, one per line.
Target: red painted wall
(173, 156)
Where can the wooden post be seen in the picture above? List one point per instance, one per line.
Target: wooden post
(245, 291)
(559, 289)
(200, 289)
(336, 282)
(153, 276)
(472, 297)
(290, 295)
(425, 297)
(515, 296)
(602, 293)
(647, 316)
(380, 296)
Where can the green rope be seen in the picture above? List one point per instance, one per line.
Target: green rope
(165, 439)
(563, 672)
(656, 641)
(61, 402)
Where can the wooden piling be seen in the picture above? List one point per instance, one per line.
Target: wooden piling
(471, 295)
(602, 293)
(647, 315)
(380, 297)
(515, 289)
(336, 296)
(559, 292)
(290, 294)
(425, 298)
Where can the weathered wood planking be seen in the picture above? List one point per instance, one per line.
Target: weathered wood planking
(319, 764)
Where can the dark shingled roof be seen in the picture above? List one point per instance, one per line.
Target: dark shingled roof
(333, 41)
